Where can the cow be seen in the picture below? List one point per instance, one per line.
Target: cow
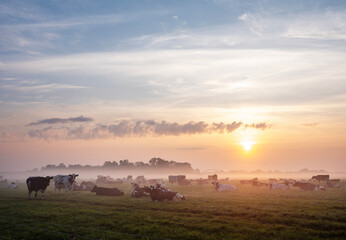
(212, 178)
(274, 186)
(102, 191)
(224, 187)
(306, 186)
(244, 182)
(36, 184)
(159, 193)
(138, 192)
(12, 185)
(333, 184)
(64, 181)
(320, 178)
(87, 186)
(256, 183)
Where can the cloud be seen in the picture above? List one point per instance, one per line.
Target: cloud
(129, 128)
(314, 124)
(261, 126)
(61, 120)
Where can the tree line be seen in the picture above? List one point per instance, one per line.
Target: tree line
(154, 163)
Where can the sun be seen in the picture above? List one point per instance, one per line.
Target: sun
(247, 145)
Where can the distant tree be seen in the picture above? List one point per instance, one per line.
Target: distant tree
(141, 164)
(110, 164)
(126, 164)
(61, 166)
(74, 166)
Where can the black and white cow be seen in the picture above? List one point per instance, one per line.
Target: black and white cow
(64, 181)
(36, 184)
(224, 187)
(138, 192)
(101, 191)
(160, 193)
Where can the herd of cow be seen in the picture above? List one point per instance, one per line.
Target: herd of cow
(158, 192)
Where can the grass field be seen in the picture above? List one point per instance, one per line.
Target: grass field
(249, 213)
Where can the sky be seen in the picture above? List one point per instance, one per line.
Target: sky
(221, 84)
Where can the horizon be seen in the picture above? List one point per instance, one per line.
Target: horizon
(219, 84)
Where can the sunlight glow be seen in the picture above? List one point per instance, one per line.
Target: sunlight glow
(247, 145)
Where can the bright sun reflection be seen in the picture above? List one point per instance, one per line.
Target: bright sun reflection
(247, 145)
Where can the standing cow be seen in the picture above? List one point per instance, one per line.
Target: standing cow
(320, 178)
(37, 184)
(224, 187)
(64, 181)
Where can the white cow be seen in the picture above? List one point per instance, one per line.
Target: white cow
(274, 186)
(12, 185)
(224, 187)
(64, 181)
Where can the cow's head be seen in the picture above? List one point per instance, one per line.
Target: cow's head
(94, 189)
(72, 177)
(47, 179)
(216, 184)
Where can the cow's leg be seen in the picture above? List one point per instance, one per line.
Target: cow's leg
(42, 194)
(30, 195)
(35, 194)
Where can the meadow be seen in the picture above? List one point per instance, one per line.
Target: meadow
(249, 213)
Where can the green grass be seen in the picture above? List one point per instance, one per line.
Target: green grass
(249, 213)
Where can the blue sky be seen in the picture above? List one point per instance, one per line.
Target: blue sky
(275, 62)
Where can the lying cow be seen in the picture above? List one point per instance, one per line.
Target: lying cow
(12, 185)
(64, 181)
(102, 191)
(160, 193)
(307, 186)
(274, 186)
(36, 184)
(138, 192)
(224, 187)
(87, 186)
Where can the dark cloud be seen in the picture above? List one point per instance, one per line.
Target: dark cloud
(62, 120)
(128, 128)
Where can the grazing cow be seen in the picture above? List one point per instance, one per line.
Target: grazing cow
(138, 192)
(274, 186)
(159, 193)
(101, 191)
(12, 185)
(224, 187)
(36, 184)
(320, 177)
(64, 181)
(306, 186)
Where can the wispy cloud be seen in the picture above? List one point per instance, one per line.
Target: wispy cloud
(129, 128)
(41, 88)
(62, 120)
(313, 124)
